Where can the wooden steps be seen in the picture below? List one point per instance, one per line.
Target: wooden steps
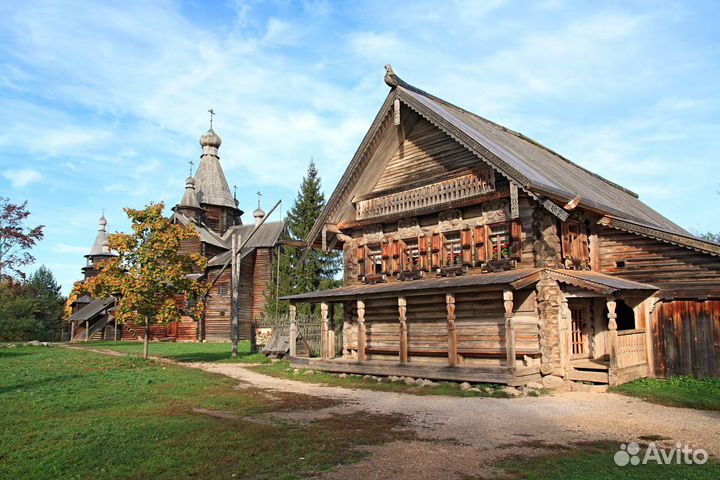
(593, 376)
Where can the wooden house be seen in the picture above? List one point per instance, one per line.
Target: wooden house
(211, 209)
(472, 252)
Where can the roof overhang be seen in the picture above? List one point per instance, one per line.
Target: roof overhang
(598, 282)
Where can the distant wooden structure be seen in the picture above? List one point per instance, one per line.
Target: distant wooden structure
(472, 252)
(211, 209)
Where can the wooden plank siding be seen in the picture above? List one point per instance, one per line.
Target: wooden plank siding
(425, 152)
(687, 338)
(262, 281)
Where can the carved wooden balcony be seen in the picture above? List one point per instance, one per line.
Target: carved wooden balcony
(446, 191)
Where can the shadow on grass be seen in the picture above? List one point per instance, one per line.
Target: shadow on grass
(5, 353)
(38, 383)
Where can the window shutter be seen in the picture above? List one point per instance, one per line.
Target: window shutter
(481, 244)
(423, 250)
(361, 253)
(436, 242)
(385, 249)
(585, 247)
(396, 248)
(566, 240)
(423, 245)
(516, 239)
(466, 238)
(361, 269)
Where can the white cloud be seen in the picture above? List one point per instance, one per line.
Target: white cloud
(63, 248)
(22, 178)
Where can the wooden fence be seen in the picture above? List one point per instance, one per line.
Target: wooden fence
(631, 348)
(686, 337)
(309, 326)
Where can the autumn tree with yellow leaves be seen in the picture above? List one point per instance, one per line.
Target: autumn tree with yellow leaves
(149, 272)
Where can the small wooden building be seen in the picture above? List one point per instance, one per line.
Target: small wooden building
(472, 252)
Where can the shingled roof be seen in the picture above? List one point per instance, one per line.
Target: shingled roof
(267, 236)
(534, 168)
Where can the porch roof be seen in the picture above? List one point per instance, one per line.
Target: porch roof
(89, 311)
(516, 279)
(513, 278)
(597, 282)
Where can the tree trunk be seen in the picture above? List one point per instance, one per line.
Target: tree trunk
(146, 340)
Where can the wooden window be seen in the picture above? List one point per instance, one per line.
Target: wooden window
(576, 251)
(410, 255)
(452, 249)
(223, 289)
(374, 259)
(499, 241)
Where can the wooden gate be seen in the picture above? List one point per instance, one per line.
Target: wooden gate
(686, 338)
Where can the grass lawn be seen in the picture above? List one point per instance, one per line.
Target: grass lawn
(283, 369)
(688, 392)
(185, 352)
(75, 415)
(594, 461)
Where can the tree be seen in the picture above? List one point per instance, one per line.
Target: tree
(149, 273)
(18, 313)
(15, 238)
(49, 301)
(317, 269)
(713, 237)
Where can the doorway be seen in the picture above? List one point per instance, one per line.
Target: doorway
(579, 331)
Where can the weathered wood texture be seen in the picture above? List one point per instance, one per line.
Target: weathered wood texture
(687, 338)
(262, 281)
(677, 271)
(425, 152)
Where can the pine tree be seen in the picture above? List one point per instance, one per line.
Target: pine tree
(314, 271)
(50, 302)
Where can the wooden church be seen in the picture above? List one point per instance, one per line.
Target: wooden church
(472, 252)
(208, 205)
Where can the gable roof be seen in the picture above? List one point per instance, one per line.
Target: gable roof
(534, 168)
(89, 311)
(267, 236)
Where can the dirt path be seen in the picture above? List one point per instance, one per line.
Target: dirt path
(457, 436)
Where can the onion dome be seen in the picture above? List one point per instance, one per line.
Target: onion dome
(259, 214)
(210, 139)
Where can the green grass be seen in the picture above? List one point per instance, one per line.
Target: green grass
(185, 352)
(284, 370)
(688, 392)
(594, 461)
(76, 414)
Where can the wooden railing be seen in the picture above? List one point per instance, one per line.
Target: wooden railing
(459, 188)
(631, 348)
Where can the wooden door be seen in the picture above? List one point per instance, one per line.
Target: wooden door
(579, 327)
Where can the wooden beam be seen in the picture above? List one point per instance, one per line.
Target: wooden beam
(514, 202)
(452, 332)
(402, 311)
(509, 328)
(234, 287)
(293, 330)
(565, 332)
(361, 330)
(87, 330)
(396, 112)
(612, 331)
(332, 352)
(324, 347)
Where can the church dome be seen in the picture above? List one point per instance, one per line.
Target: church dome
(210, 139)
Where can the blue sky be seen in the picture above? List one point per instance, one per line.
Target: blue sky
(102, 103)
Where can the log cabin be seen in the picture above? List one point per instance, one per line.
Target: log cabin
(212, 210)
(474, 253)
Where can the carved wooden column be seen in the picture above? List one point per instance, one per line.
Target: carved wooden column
(361, 330)
(332, 352)
(292, 336)
(564, 333)
(402, 311)
(452, 333)
(612, 332)
(324, 350)
(509, 328)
